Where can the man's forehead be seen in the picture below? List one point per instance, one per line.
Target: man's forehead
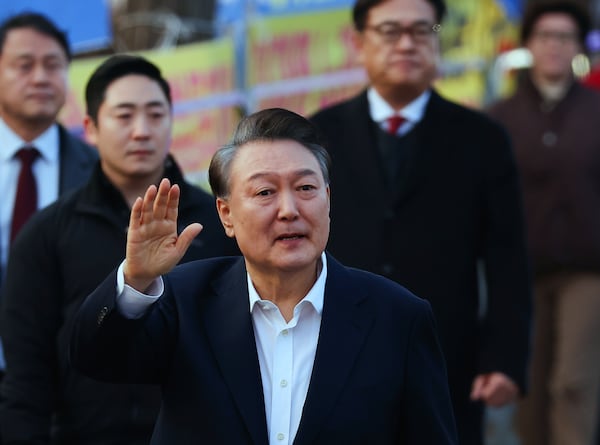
(273, 158)
(27, 40)
(553, 19)
(407, 11)
(124, 91)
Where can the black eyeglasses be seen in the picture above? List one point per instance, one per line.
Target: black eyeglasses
(391, 32)
(561, 37)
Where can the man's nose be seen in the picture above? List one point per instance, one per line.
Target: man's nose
(405, 41)
(40, 73)
(288, 208)
(141, 127)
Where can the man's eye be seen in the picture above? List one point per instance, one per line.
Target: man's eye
(264, 193)
(389, 30)
(421, 31)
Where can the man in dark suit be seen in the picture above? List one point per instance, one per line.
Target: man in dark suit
(430, 201)
(34, 60)
(283, 345)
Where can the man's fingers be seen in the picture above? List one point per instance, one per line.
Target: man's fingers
(161, 201)
(187, 236)
(495, 389)
(148, 204)
(173, 203)
(136, 213)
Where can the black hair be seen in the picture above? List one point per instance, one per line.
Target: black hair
(37, 22)
(266, 125)
(574, 10)
(114, 68)
(362, 7)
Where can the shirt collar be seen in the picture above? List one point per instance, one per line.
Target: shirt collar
(46, 143)
(315, 295)
(380, 110)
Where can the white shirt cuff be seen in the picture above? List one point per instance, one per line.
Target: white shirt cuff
(132, 303)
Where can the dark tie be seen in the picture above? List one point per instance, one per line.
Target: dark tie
(394, 123)
(26, 196)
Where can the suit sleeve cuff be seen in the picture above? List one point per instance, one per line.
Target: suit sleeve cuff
(132, 303)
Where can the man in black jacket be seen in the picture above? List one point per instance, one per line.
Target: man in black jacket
(66, 250)
(426, 191)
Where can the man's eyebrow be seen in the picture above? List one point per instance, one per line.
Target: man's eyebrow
(129, 105)
(410, 23)
(299, 173)
(27, 55)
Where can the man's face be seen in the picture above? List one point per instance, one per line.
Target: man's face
(133, 129)
(278, 207)
(33, 78)
(398, 47)
(553, 43)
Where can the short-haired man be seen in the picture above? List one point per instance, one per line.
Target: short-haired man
(552, 120)
(281, 346)
(34, 59)
(426, 192)
(66, 250)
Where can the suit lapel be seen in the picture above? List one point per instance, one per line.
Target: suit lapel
(229, 329)
(358, 154)
(74, 164)
(345, 324)
(427, 150)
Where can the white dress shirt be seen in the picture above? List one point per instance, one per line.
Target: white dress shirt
(286, 350)
(45, 168)
(380, 110)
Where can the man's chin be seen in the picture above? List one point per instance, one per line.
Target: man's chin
(42, 116)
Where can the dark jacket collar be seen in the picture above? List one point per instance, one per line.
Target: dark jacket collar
(99, 196)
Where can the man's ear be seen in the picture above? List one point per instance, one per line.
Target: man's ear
(90, 131)
(225, 215)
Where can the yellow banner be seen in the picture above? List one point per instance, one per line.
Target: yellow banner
(298, 45)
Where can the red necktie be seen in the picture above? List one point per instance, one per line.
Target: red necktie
(26, 196)
(394, 123)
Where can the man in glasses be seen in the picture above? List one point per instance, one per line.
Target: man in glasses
(553, 121)
(440, 205)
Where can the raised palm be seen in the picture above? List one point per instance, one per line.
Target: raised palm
(153, 245)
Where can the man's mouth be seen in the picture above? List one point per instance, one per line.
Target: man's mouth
(289, 237)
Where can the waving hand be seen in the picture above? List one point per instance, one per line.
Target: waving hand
(153, 245)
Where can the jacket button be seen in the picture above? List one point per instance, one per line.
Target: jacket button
(102, 315)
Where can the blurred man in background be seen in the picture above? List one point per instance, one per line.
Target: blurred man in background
(424, 192)
(553, 121)
(39, 160)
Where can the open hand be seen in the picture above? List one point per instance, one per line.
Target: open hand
(153, 246)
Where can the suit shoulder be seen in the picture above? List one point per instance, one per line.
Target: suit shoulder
(471, 116)
(202, 269)
(338, 110)
(387, 293)
(76, 148)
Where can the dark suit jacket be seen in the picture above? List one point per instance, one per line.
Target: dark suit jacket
(378, 376)
(457, 201)
(77, 161)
